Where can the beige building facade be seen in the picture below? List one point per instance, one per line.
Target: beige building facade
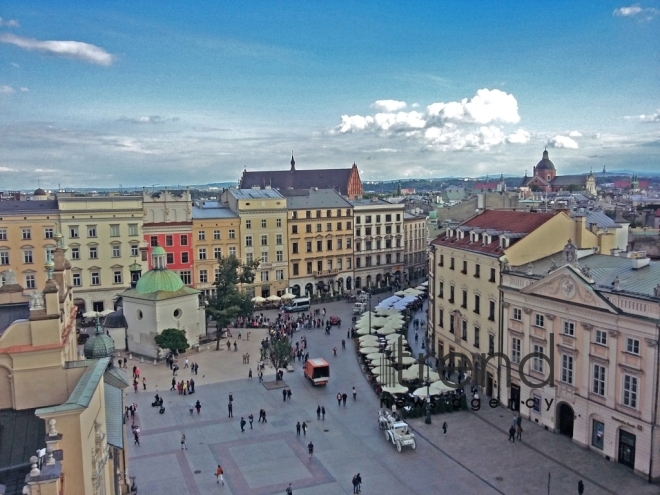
(596, 321)
(415, 259)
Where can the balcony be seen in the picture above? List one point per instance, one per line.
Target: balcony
(326, 273)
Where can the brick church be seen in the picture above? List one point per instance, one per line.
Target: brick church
(545, 179)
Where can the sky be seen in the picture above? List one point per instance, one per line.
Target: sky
(131, 94)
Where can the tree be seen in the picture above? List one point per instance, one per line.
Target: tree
(173, 339)
(574, 188)
(229, 302)
(280, 353)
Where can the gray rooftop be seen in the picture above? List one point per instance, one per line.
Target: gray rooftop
(371, 202)
(601, 220)
(255, 193)
(28, 207)
(301, 199)
(211, 209)
(9, 313)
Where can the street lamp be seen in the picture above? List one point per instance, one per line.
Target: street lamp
(427, 419)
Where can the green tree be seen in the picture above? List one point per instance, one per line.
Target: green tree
(229, 301)
(173, 339)
(280, 353)
(574, 188)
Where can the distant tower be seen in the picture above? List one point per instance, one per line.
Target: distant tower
(604, 171)
(293, 163)
(501, 187)
(634, 184)
(398, 189)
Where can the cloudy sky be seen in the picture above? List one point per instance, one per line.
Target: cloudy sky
(143, 93)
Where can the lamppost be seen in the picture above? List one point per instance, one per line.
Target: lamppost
(427, 419)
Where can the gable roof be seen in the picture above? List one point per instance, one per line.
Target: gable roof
(314, 198)
(329, 178)
(568, 180)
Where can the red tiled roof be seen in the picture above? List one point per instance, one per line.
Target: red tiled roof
(514, 222)
(484, 186)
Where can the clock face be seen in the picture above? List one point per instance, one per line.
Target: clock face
(568, 288)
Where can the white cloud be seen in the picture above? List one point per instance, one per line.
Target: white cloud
(10, 23)
(7, 169)
(7, 90)
(562, 142)
(651, 118)
(575, 134)
(72, 49)
(389, 105)
(148, 119)
(636, 10)
(15, 65)
(470, 123)
(24, 89)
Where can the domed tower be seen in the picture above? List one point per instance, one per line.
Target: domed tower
(100, 345)
(545, 168)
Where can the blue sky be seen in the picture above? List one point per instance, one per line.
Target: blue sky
(141, 93)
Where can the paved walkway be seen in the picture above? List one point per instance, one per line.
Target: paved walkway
(473, 458)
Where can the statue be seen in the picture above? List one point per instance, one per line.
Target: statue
(586, 271)
(36, 300)
(553, 266)
(656, 291)
(570, 254)
(10, 277)
(615, 283)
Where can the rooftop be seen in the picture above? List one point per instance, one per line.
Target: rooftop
(255, 193)
(314, 198)
(372, 202)
(334, 178)
(29, 207)
(211, 209)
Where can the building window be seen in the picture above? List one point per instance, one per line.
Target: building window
(476, 337)
(216, 235)
(348, 225)
(201, 235)
(388, 259)
(77, 280)
(339, 244)
(329, 264)
(569, 328)
(318, 213)
(630, 391)
(232, 234)
(248, 240)
(248, 224)
(464, 331)
(358, 262)
(442, 260)
(451, 294)
(264, 276)
(441, 318)
(135, 250)
(3, 234)
(264, 240)
(319, 266)
(75, 253)
(601, 337)
(169, 241)
(318, 227)
(378, 259)
(451, 263)
(93, 252)
(491, 310)
(114, 230)
(48, 233)
(598, 383)
(515, 350)
(465, 297)
(294, 229)
(153, 240)
(441, 290)
(73, 232)
(349, 243)
(319, 245)
(537, 360)
(477, 303)
(328, 227)
(279, 256)
(295, 270)
(329, 244)
(186, 277)
(308, 228)
(539, 320)
(185, 258)
(357, 219)
(632, 345)
(217, 253)
(263, 223)
(203, 277)
(465, 268)
(308, 214)
(183, 240)
(567, 369)
(309, 268)
(96, 278)
(201, 253)
(537, 403)
(91, 231)
(4, 257)
(249, 258)
(598, 434)
(279, 274)
(118, 277)
(452, 323)
(116, 251)
(308, 246)
(294, 247)
(264, 256)
(367, 219)
(232, 251)
(517, 314)
(170, 258)
(477, 271)
(26, 234)
(278, 223)
(491, 344)
(492, 275)
(278, 239)
(30, 282)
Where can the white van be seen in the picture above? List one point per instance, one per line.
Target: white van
(299, 304)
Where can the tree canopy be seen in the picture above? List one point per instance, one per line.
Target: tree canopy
(280, 353)
(229, 302)
(173, 339)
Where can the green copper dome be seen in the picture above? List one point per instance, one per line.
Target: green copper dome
(159, 280)
(100, 345)
(158, 251)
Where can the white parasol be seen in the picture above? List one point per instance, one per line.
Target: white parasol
(376, 356)
(258, 300)
(273, 298)
(396, 389)
(369, 350)
(288, 296)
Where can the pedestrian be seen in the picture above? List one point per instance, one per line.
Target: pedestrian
(580, 487)
(518, 420)
(334, 350)
(119, 361)
(298, 428)
(310, 449)
(261, 376)
(230, 407)
(231, 396)
(343, 344)
(344, 397)
(196, 368)
(184, 445)
(228, 346)
(251, 419)
(186, 364)
(519, 431)
(304, 429)
(192, 386)
(265, 416)
(288, 394)
(136, 435)
(354, 482)
(512, 434)
(318, 412)
(173, 385)
(339, 399)
(444, 428)
(135, 385)
(250, 374)
(358, 478)
(198, 406)
(289, 491)
(219, 475)
(323, 413)
(235, 346)
(354, 394)
(144, 384)
(243, 423)
(284, 394)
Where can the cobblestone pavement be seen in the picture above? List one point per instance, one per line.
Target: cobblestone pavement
(473, 458)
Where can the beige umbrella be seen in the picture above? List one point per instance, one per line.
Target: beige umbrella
(394, 325)
(375, 356)
(412, 373)
(369, 350)
(273, 298)
(401, 293)
(387, 379)
(362, 324)
(369, 342)
(404, 360)
(386, 311)
(365, 316)
(288, 296)
(394, 317)
(368, 338)
(396, 389)
(394, 344)
(382, 370)
(439, 387)
(258, 300)
(385, 331)
(394, 336)
(379, 321)
(412, 292)
(365, 331)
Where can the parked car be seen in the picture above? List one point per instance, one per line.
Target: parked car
(334, 320)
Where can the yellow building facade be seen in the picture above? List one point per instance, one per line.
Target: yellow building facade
(415, 235)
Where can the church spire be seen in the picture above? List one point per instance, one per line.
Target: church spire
(293, 163)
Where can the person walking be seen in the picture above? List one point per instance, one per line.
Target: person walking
(298, 428)
(343, 344)
(323, 413)
(231, 396)
(184, 445)
(444, 428)
(289, 491)
(354, 394)
(243, 423)
(186, 364)
(136, 435)
(580, 487)
(135, 385)
(231, 412)
(219, 475)
(519, 431)
(344, 397)
(198, 406)
(250, 374)
(251, 419)
(318, 413)
(261, 376)
(339, 399)
(284, 394)
(173, 387)
(263, 416)
(310, 449)
(354, 482)
(288, 394)
(358, 478)
(304, 429)
(512, 434)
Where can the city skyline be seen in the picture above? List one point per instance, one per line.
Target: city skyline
(141, 94)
